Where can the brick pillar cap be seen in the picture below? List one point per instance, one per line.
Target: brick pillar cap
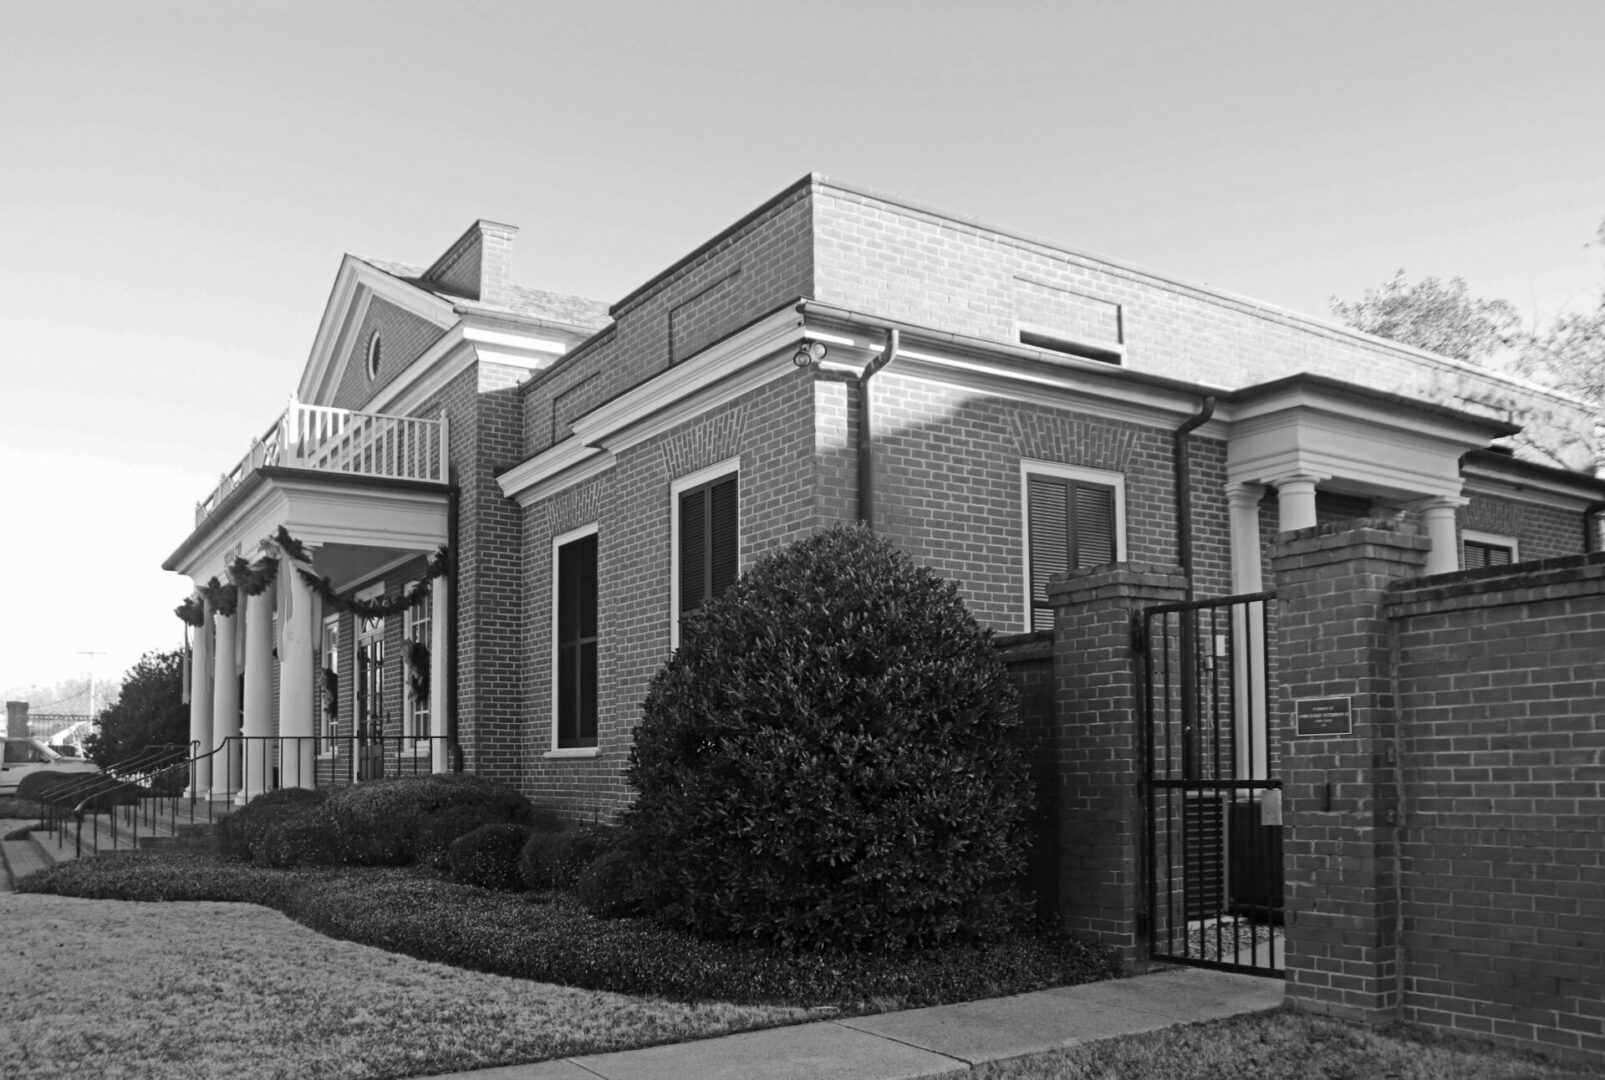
(1339, 534)
(1064, 589)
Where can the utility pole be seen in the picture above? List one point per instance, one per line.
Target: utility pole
(91, 654)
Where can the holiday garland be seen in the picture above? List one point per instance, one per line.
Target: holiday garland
(254, 578)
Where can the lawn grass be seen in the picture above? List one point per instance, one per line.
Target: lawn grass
(549, 937)
(202, 990)
(1278, 1046)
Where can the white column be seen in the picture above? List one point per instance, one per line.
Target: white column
(225, 709)
(1247, 559)
(440, 611)
(1248, 626)
(1439, 515)
(200, 705)
(258, 693)
(297, 703)
(1295, 499)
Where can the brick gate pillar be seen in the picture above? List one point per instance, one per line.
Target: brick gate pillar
(1339, 753)
(1099, 748)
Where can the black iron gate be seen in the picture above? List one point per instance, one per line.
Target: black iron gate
(1213, 800)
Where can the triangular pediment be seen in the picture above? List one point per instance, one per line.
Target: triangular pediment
(357, 286)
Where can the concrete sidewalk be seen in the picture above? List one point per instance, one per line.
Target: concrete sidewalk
(941, 1041)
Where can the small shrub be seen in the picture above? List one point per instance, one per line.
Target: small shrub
(488, 856)
(827, 761)
(242, 831)
(313, 837)
(606, 887)
(556, 860)
(383, 816)
(438, 830)
(39, 786)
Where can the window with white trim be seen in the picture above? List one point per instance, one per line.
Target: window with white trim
(575, 638)
(416, 630)
(329, 684)
(1479, 549)
(1075, 518)
(706, 539)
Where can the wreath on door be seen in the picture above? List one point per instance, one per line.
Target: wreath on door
(418, 673)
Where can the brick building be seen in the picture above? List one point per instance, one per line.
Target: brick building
(469, 541)
(1004, 408)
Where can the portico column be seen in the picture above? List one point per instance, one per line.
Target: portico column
(296, 700)
(1439, 515)
(200, 705)
(258, 692)
(440, 612)
(225, 708)
(1248, 627)
(1243, 501)
(1295, 501)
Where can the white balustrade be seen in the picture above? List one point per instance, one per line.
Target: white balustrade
(340, 440)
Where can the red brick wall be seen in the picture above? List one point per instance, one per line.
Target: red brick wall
(404, 338)
(771, 430)
(1501, 681)
(947, 487)
(877, 255)
(760, 264)
(1542, 532)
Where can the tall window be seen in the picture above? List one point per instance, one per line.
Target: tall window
(574, 690)
(416, 629)
(707, 540)
(1074, 519)
(329, 684)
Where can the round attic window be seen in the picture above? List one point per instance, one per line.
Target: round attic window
(373, 356)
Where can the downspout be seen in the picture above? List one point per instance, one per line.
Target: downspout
(866, 430)
(1184, 495)
(1184, 557)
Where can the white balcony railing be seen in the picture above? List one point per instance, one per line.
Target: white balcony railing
(339, 440)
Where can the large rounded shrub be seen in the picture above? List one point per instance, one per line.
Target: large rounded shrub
(826, 762)
(242, 832)
(488, 856)
(556, 859)
(381, 818)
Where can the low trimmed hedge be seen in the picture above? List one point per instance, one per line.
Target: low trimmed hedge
(556, 860)
(552, 938)
(488, 856)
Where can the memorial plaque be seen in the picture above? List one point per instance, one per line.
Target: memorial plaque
(1323, 716)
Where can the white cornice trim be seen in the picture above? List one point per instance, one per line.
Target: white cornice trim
(715, 376)
(1065, 389)
(1536, 490)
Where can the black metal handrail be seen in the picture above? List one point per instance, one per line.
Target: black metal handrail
(241, 767)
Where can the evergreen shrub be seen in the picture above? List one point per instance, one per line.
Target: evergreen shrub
(488, 856)
(241, 832)
(607, 886)
(556, 860)
(827, 760)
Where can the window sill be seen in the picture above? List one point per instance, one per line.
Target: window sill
(573, 752)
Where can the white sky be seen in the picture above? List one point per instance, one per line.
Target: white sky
(178, 182)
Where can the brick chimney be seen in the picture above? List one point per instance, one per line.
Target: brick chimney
(479, 265)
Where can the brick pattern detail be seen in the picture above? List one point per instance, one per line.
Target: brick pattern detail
(1334, 640)
(1097, 750)
(404, 338)
(1502, 844)
(1541, 532)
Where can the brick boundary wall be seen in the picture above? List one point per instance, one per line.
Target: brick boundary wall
(1445, 857)
(1029, 660)
(1501, 693)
